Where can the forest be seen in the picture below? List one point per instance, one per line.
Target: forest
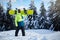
(45, 19)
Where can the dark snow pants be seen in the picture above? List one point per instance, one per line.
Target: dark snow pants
(17, 30)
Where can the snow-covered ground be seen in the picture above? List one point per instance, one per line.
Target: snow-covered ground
(41, 34)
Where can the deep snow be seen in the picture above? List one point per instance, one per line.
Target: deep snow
(41, 34)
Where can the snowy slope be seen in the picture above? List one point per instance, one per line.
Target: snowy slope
(41, 34)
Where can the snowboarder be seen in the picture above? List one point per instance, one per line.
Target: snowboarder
(19, 22)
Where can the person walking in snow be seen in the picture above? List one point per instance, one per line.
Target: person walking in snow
(19, 22)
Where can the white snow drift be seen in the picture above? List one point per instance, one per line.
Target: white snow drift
(41, 34)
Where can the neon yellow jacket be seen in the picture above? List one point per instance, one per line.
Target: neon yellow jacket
(18, 18)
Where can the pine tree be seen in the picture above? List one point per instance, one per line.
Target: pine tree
(9, 17)
(32, 6)
(57, 5)
(43, 10)
(43, 15)
(51, 13)
(54, 14)
(8, 8)
(1, 17)
(56, 20)
(51, 9)
(32, 17)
